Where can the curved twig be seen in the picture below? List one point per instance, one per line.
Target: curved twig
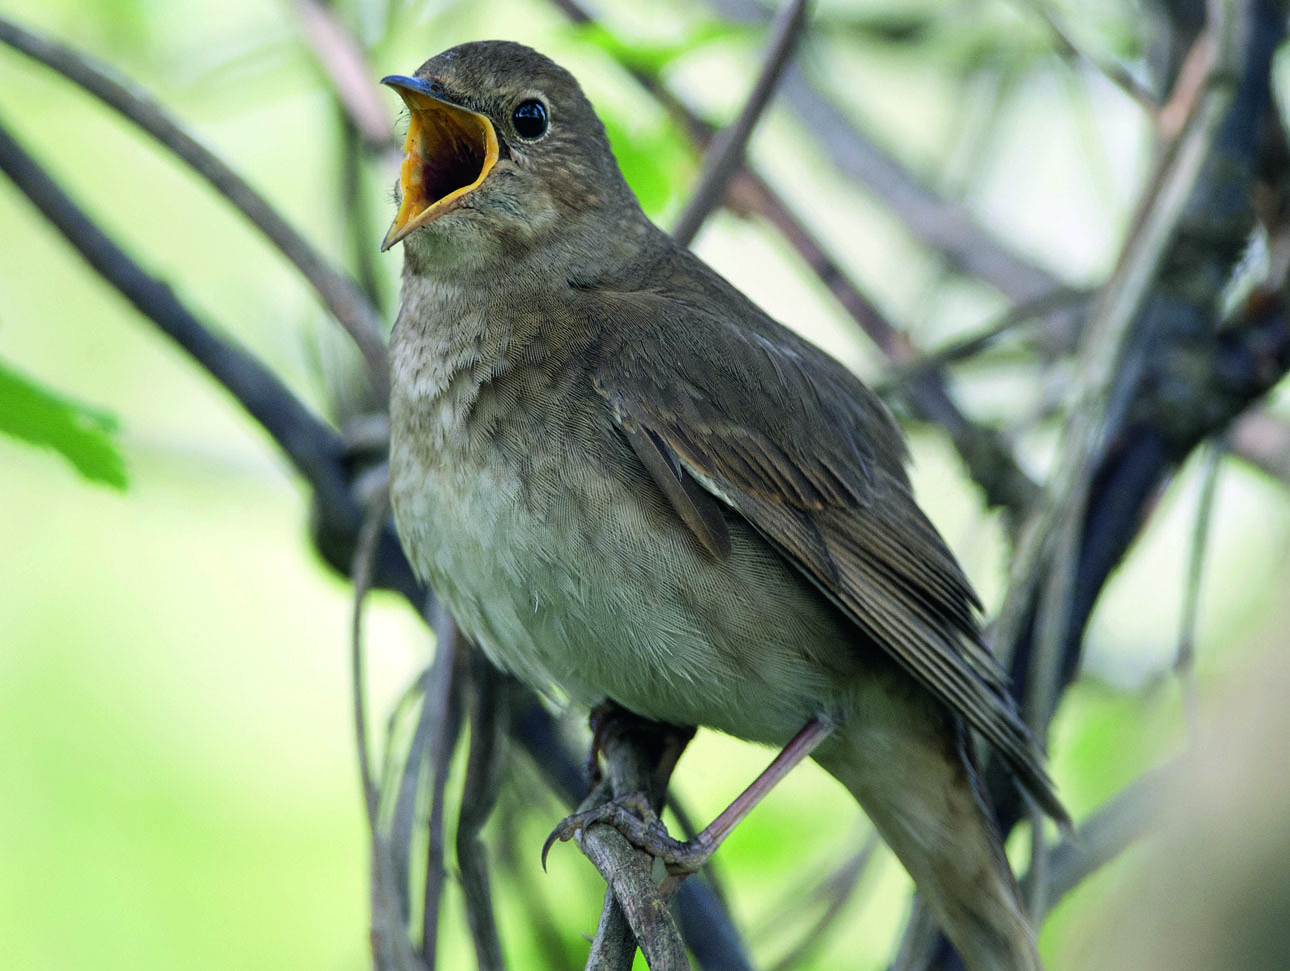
(488, 713)
(343, 299)
(364, 559)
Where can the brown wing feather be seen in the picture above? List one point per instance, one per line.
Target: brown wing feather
(697, 508)
(788, 438)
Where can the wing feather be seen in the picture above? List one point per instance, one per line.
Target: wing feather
(788, 438)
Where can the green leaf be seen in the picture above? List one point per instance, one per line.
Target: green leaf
(81, 434)
(654, 162)
(651, 56)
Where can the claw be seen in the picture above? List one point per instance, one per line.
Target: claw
(551, 841)
(616, 813)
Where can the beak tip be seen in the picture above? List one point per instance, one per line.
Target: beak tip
(404, 85)
(392, 236)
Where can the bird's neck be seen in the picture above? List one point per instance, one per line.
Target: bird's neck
(495, 296)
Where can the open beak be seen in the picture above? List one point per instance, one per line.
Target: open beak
(448, 152)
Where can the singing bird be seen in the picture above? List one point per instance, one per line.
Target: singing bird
(628, 483)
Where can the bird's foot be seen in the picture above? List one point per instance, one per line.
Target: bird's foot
(632, 816)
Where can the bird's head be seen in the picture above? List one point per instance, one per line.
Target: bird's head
(503, 153)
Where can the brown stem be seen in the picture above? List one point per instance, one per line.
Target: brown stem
(725, 155)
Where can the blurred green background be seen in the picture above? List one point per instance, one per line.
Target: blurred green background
(178, 768)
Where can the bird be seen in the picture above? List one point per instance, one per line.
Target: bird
(629, 484)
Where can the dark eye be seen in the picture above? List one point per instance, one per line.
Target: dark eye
(529, 118)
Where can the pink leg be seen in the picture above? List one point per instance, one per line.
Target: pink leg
(799, 747)
(682, 859)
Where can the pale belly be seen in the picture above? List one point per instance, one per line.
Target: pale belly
(579, 580)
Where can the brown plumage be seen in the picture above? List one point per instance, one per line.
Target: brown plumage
(627, 482)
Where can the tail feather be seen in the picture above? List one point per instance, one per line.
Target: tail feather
(917, 783)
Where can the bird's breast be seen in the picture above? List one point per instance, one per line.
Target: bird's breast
(524, 508)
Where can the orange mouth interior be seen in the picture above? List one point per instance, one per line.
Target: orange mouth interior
(448, 152)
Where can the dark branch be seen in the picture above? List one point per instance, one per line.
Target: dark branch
(488, 710)
(343, 299)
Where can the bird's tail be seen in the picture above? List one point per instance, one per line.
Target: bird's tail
(918, 785)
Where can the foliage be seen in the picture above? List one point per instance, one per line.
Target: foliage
(84, 436)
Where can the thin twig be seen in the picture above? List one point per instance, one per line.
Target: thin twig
(836, 889)
(943, 225)
(344, 61)
(488, 714)
(399, 785)
(343, 299)
(442, 716)
(1185, 658)
(391, 950)
(1117, 74)
(964, 348)
(1121, 821)
(725, 155)
(364, 556)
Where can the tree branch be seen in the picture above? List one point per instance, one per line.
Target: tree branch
(343, 299)
(725, 155)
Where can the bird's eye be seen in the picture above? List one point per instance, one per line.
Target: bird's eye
(529, 118)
